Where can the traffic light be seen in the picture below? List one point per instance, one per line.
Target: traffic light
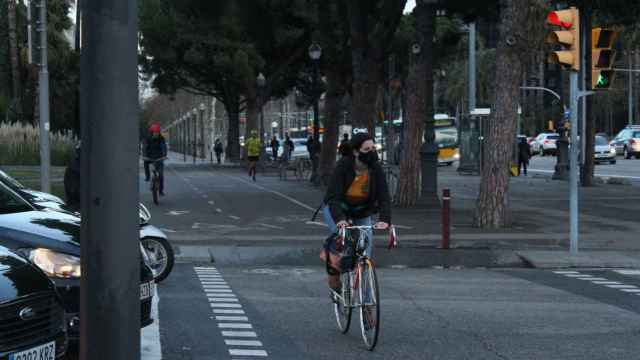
(602, 57)
(568, 38)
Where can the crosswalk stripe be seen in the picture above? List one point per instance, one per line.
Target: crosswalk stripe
(228, 311)
(631, 290)
(621, 286)
(235, 326)
(219, 294)
(225, 305)
(628, 272)
(594, 279)
(213, 299)
(606, 282)
(232, 318)
(220, 290)
(565, 272)
(243, 342)
(239, 334)
(242, 352)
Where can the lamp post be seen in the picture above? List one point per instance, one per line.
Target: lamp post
(202, 108)
(261, 81)
(429, 149)
(315, 52)
(184, 137)
(194, 117)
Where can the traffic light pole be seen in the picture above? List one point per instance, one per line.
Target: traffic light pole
(576, 94)
(110, 251)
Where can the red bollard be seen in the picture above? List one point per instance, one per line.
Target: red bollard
(446, 209)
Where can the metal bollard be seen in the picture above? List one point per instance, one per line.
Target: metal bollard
(446, 211)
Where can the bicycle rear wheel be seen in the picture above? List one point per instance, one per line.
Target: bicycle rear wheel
(155, 188)
(369, 304)
(342, 306)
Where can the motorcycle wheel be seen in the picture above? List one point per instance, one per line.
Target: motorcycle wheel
(160, 257)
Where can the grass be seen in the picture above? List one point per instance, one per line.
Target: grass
(31, 179)
(20, 145)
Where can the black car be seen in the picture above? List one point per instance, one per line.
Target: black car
(38, 199)
(32, 323)
(51, 240)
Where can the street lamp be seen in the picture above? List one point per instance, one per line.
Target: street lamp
(202, 108)
(184, 138)
(315, 52)
(261, 81)
(429, 149)
(194, 114)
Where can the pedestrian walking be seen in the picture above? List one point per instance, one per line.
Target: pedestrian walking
(218, 148)
(524, 154)
(288, 145)
(254, 146)
(275, 146)
(345, 147)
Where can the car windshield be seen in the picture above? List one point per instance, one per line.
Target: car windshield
(11, 203)
(553, 137)
(636, 134)
(9, 181)
(446, 137)
(601, 140)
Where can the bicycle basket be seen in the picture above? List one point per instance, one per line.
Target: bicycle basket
(341, 258)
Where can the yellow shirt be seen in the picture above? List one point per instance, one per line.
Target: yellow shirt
(253, 147)
(358, 192)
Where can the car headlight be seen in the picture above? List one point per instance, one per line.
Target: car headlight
(56, 264)
(612, 150)
(456, 156)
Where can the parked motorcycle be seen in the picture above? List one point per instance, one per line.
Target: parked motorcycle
(156, 250)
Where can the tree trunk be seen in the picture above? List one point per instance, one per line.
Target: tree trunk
(409, 179)
(366, 80)
(13, 54)
(332, 100)
(492, 210)
(233, 135)
(253, 117)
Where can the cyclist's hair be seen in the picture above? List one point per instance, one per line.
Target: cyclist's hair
(358, 139)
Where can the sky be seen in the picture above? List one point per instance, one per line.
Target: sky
(410, 5)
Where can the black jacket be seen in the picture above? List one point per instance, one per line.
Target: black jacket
(156, 148)
(343, 176)
(524, 151)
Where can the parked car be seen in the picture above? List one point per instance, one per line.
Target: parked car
(31, 312)
(545, 144)
(158, 251)
(51, 240)
(627, 142)
(604, 152)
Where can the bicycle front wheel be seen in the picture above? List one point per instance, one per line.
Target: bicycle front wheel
(369, 303)
(342, 307)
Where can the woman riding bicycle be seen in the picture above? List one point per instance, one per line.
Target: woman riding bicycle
(357, 190)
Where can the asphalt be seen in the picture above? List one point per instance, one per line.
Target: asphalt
(426, 314)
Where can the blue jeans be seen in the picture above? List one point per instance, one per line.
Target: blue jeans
(333, 228)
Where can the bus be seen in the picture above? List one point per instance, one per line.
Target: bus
(447, 140)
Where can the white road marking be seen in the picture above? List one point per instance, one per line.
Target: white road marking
(628, 272)
(242, 352)
(239, 334)
(631, 290)
(211, 202)
(243, 342)
(622, 286)
(576, 275)
(178, 213)
(218, 210)
(228, 311)
(593, 279)
(606, 282)
(234, 217)
(235, 326)
(565, 272)
(271, 226)
(315, 223)
(232, 318)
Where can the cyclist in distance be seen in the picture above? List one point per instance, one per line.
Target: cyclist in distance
(156, 151)
(357, 191)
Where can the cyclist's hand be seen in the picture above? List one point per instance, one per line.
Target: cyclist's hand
(342, 224)
(381, 225)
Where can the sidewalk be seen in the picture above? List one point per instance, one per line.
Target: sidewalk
(539, 233)
(178, 159)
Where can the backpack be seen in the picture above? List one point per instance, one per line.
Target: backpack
(339, 258)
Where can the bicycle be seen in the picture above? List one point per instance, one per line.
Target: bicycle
(361, 280)
(304, 168)
(155, 178)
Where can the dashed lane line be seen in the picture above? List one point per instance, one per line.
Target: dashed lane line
(231, 319)
(617, 285)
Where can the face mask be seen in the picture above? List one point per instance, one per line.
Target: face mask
(369, 158)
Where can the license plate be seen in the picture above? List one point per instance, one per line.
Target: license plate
(42, 352)
(147, 290)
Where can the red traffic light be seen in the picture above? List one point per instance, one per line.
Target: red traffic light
(554, 18)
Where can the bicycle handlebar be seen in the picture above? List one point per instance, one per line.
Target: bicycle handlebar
(393, 238)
